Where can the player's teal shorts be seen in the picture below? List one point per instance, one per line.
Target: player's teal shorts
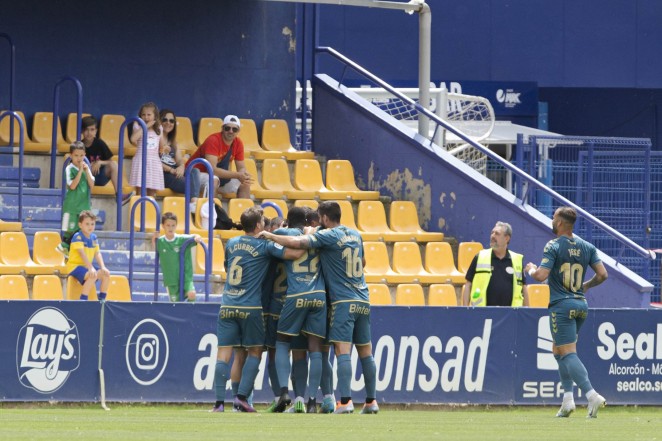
(240, 327)
(350, 322)
(566, 319)
(304, 313)
(173, 291)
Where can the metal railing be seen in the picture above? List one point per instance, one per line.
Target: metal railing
(532, 182)
(56, 117)
(21, 153)
(12, 71)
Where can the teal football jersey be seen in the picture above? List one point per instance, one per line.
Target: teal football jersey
(303, 275)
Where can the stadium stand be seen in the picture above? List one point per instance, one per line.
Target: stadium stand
(15, 256)
(257, 189)
(409, 294)
(13, 287)
(407, 261)
(5, 129)
(208, 126)
(151, 222)
(43, 250)
(340, 177)
(442, 295)
(218, 258)
(538, 295)
(42, 134)
(377, 266)
(308, 177)
(372, 219)
(379, 294)
(252, 147)
(109, 131)
(306, 203)
(465, 254)
(439, 260)
(47, 287)
(177, 206)
(70, 135)
(118, 289)
(271, 213)
(276, 137)
(403, 218)
(185, 140)
(276, 177)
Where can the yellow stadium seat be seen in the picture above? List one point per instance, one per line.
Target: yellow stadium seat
(151, 222)
(308, 177)
(185, 140)
(118, 289)
(109, 131)
(538, 295)
(379, 294)
(407, 261)
(10, 226)
(177, 206)
(372, 219)
(276, 176)
(276, 137)
(465, 254)
(47, 287)
(439, 260)
(310, 203)
(74, 288)
(237, 206)
(403, 218)
(252, 147)
(208, 126)
(340, 177)
(257, 190)
(270, 212)
(13, 287)
(42, 133)
(347, 219)
(409, 294)
(218, 259)
(71, 135)
(442, 295)
(43, 250)
(15, 255)
(377, 266)
(5, 132)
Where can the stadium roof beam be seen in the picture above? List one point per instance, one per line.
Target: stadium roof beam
(424, 42)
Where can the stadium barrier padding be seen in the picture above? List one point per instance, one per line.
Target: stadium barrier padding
(160, 352)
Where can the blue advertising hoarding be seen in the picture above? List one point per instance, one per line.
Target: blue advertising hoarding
(159, 352)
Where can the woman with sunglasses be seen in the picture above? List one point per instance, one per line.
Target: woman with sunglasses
(172, 162)
(220, 149)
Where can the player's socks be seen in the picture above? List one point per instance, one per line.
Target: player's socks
(300, 376)
(102, 297)
(326, 382)
(83, 297)
(235, 387)
(370, 376)
(314, 374)
(248, 374)
(564, 375)
(221, 379)
(283, 362)
(311, 407)
(273, 377)
(344, 375)
(577, 371)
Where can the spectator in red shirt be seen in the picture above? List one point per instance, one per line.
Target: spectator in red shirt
(220, 149)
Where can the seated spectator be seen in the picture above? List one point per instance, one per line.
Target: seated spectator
(172, 162)
(220, 149)
(104, 169)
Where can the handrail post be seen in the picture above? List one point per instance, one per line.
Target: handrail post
(12, 71)
(142, 200)
(21, 153)
(210, 205)
(56, 117)
(182, 256)
(120, 171)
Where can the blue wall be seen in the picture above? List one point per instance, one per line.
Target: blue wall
(199, 58)
(450, 196)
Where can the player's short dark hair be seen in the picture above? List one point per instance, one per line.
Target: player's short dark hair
(311, 216)
(250, 218)
(330, 209)
(76, 145)
(168, 215)
(85, 214)
(88, 121)
(568, 214)
(296, 217)
(276, 222)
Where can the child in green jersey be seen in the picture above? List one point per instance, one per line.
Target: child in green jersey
(77, 199)
(169, 248)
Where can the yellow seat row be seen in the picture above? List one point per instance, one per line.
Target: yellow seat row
(49, 287)
(407, 294)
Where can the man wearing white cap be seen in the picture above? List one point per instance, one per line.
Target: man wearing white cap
(220, 149)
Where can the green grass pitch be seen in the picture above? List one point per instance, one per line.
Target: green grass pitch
(180, 422)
